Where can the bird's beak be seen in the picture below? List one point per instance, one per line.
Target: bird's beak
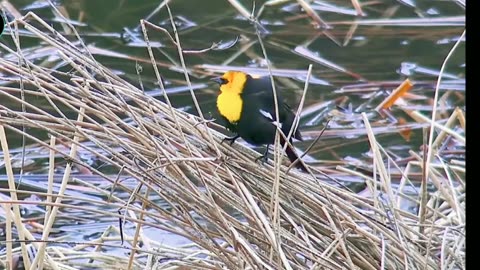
(219, 80)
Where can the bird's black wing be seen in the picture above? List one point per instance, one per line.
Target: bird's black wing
(260, 92)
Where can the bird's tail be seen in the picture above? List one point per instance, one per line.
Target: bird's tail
(292, 156)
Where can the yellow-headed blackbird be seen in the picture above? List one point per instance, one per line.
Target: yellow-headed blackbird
(246, 106)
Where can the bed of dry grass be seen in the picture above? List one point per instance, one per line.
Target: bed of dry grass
(237, 214)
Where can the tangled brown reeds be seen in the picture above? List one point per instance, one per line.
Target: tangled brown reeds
(237, 214)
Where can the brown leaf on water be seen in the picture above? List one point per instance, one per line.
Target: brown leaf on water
(405, 132)
(395, 95)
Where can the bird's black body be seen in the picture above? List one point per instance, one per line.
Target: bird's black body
(253, 126)
(257, 122)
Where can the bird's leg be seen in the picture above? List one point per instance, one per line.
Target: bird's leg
(264, 157)
(230, 139)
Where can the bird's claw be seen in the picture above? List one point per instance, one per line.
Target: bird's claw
(263, 158)
(231, 140)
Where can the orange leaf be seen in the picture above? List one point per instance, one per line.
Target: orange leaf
(405, 132)
(395, 95)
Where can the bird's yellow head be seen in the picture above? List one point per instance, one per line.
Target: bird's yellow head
(232, 82)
